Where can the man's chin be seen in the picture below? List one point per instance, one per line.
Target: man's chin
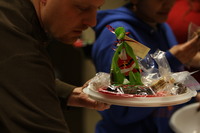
(69, 41)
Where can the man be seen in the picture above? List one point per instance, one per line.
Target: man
(30, 95)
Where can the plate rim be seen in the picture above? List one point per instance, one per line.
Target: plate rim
(139, 101)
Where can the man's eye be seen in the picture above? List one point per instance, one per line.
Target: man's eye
(82, 8)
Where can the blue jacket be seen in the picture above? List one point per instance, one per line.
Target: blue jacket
(120, 119)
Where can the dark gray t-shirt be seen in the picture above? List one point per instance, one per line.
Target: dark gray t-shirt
(29, 95)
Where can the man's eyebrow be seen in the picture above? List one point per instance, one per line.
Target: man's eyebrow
(101, 4)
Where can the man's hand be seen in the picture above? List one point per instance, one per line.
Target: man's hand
(79, 99)
(198, 96)
(198, 99)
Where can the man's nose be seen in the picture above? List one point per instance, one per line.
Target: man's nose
(90, 19)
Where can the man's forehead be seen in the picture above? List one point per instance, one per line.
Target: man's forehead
(90, 2)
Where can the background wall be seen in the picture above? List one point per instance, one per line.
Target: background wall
(110, 4)
(73, 66)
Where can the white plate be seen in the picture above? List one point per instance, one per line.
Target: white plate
(186, 119)
(140, 101)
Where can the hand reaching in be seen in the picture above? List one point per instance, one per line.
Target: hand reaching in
(186, 52)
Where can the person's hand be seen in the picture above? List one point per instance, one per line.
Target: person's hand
(198, 97)
(187, 51)
(79, 99)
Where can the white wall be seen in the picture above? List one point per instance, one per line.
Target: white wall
(110, 4)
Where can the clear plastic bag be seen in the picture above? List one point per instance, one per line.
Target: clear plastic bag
(162, 80)
(157, 79)
(101, 80)
(193, 29)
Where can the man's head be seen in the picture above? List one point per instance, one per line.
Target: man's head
(153, 11)
(66, 19)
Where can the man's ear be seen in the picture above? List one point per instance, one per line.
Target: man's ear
(134, 2)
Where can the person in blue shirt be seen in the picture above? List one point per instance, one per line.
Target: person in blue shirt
(145, 20)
